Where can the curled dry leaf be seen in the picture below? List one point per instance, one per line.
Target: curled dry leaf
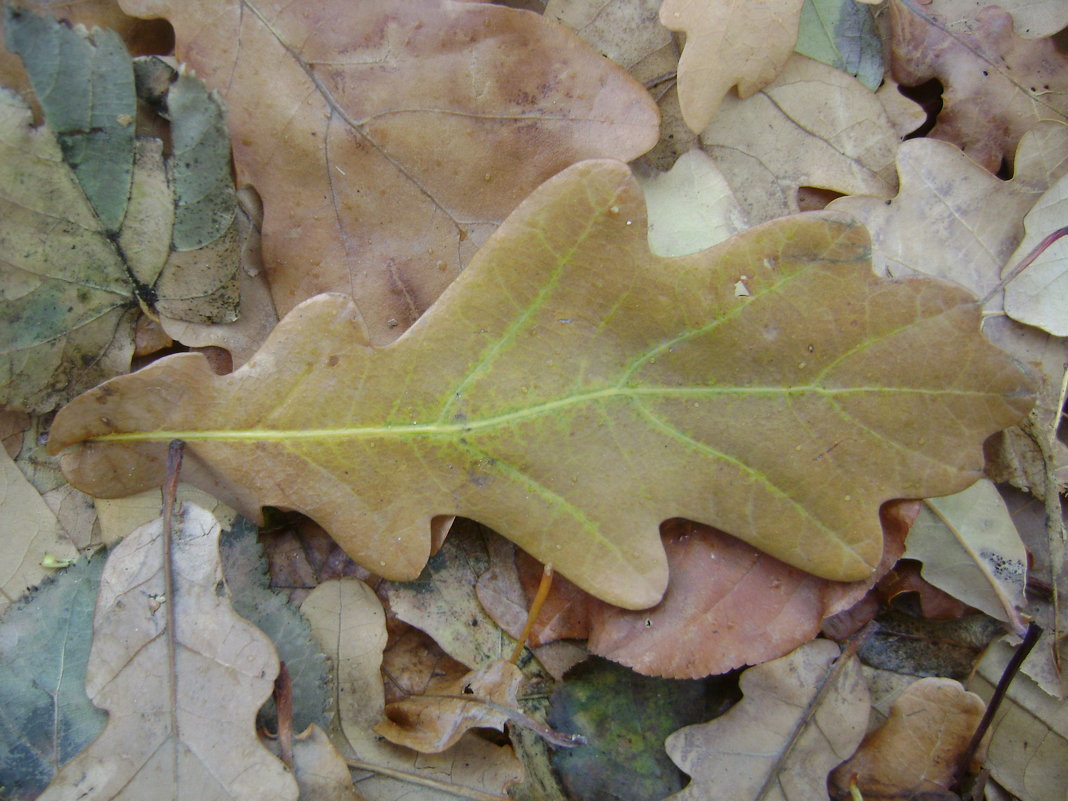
(349, 624)
(996, 85)
(573, 407)
(800, 716)
(915, 753)
(182, 702)
(729, 43)
(812, 126)
(389, 139)
(432, 722)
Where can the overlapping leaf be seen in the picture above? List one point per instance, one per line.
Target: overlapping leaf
(389, 139)
(572, 391)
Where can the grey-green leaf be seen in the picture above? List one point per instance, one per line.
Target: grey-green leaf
(841, 33)
(84, 82)
(45, 716)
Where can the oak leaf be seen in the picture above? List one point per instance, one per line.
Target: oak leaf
(389, 139)
(181, 728)
(728, 43)
(571, 391)
(996, 85)
(799, 717)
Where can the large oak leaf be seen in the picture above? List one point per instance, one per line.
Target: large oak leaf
(389, 139)
(572, 390)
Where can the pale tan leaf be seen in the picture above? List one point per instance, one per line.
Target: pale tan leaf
(182, 703)
(729, 43)
(1028, 751)
(916, 752)
(799, 717)
(970, 548)
(31, 535)
(812, 126)
(691, 207)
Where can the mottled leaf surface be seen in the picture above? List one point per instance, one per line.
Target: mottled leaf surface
(572, 391)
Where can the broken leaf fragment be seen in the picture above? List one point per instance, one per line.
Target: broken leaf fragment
(95, 223)
(182, 702)
(572, 390)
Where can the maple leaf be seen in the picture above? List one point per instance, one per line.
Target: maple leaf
(728, 43)
(389, 139)
(571, 390)
(997, 85)
(182, 700)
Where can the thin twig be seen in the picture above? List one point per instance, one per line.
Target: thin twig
(535, 609)
(415, 778)
(170, 492)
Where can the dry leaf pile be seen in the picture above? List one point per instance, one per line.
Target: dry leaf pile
(523, 288)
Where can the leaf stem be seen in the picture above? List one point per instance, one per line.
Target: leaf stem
(1024, 263)
(414, 778)
(535, 609)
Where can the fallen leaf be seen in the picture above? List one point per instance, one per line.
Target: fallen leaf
(799, 717)
(970, 548)
(812, 126)
(728, 44)
(921, 647)
(143, 230)
(996, 85)
(441, 602)
(181, 702)
(691, 207)
(349, 624)
(1037, 296)
(1034, 19)
(44, 647)
(906, 586)
(624, 718)
(31, 533)
(947, 197)
(728, 605)
(1028, 751)
(842, 34)
(389, 139)
(916, 752)
(875, 389)
(432, 722)
(321, 772)
(627, 31)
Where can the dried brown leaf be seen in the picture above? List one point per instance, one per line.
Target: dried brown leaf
(387, 140)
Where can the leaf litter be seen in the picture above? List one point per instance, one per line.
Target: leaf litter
(1031, 468)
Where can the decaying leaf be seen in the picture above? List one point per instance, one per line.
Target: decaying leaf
(921, 647)
(916, 752)
(800, 716)
(970, 548)
(433, 722)
(812, 126)
(573, 407)
(96, 222)
(388, 139)
(1039, 295)
(181, 702)
(321, 772)
(996, 85)
(728, 43)
(44, 647)
(625, 718)
(349, 624)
